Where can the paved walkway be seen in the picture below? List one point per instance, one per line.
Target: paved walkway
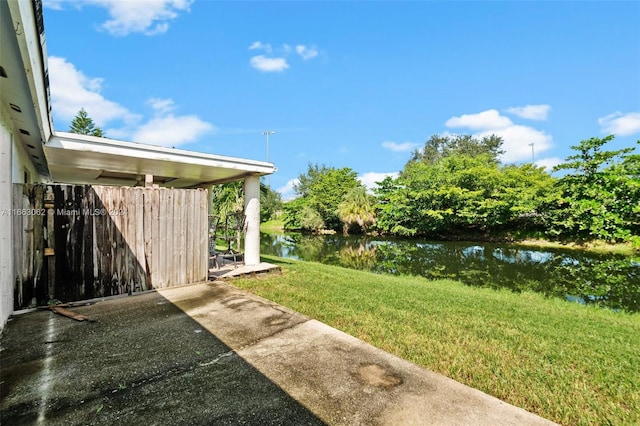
(214, 354)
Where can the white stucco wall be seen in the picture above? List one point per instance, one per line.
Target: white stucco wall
(6, 238)
(14, 161)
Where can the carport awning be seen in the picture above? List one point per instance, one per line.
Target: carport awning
(82, 159)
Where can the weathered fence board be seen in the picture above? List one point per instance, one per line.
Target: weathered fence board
(79, 242)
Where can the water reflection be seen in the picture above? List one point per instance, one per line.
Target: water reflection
(604, 280)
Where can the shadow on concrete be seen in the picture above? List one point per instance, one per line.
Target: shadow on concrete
(144, 361)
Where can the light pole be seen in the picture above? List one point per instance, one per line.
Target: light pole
(532, 154)
(268, 133)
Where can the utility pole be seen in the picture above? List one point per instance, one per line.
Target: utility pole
(268, 133)
(533, 160)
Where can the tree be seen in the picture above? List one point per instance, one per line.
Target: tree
(299, 215)
(438, 147)
(270, 203)
(322, 188)
(307, 180)
(356, 209)
(310, 220)
(394, 207)
(82, 124)
(228, 211)
(291, 214)
(459, 193)
(600, 196)
(228, 198)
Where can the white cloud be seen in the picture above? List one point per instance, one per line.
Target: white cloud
(306, 52)
(161, 106)
(370, 179)
(71, 90)
(516, 138)
(54, 4)
(264, 64)
(287, 192)
(277, 59)
(548, 163)
(260, 45)
(170, 130)
(620, 124)
(531, 112)
(400, 147)
(149, 16)
(167, 129)
(490, 119)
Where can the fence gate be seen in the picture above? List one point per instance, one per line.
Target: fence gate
(76, 242)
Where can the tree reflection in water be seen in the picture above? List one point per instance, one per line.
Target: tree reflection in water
(609, 281)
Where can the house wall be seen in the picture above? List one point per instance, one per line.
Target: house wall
(6, 237)
(14, 162)
(21, 164)
(26, 52)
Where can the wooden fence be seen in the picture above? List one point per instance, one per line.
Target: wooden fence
(76, 242)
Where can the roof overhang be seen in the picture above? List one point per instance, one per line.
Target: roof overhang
(82, 159)
(24, 83)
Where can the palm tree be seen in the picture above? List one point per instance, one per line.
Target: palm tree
(228, 207)
(356, 209)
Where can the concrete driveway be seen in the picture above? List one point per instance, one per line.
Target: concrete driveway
(214, 354)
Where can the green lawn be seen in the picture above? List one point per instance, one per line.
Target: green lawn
(570, 363)
(275, 225)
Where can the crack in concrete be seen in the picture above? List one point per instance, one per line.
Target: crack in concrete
(218, 358)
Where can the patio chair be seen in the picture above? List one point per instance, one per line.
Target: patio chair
(234, 226)
(213, 228)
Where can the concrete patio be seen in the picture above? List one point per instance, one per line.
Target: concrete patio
(233, 270)
(213, 354)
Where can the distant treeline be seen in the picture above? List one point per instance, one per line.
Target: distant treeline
(456, 186)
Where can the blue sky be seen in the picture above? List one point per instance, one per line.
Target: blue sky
(347, 83)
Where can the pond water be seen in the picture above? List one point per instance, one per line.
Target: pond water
(606, 280)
